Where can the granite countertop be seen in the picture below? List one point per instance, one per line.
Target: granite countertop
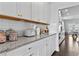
(20, 42)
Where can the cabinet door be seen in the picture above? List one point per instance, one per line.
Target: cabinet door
(42, 47)
(40, 11)
(46, 12)
(48, 46)
(34, 49)
(24, 9)
(53, 43)
(27, 50)
(1, 8)
(21, 51)
(37, 10)
(9, 8)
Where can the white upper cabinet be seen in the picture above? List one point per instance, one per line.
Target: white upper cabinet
(23, 9)
(0, 8)
(37, 10)
(46, 11)
(8, 8)
(20, 9)
(40, 11)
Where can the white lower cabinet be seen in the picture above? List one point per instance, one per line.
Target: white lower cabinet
(50, 45)
(34, 50)
(53, 43)
(27, 50)
(18, 51)
(43, 47)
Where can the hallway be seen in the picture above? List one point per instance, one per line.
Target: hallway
(69, 47)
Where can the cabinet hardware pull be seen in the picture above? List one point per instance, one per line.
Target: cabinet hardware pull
(30, 48)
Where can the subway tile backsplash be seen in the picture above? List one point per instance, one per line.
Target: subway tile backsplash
(18, 26)
(7, 24)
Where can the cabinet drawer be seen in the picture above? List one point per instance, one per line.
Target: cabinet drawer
(17, 52)
(33, 53)
(24, 49)
(20, 51)
(33, 46)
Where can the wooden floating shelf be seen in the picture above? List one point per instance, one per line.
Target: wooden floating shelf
(22, 19)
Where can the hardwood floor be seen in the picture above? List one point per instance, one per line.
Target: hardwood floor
(69, 47)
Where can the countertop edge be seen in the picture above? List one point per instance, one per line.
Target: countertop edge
(26, 43)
